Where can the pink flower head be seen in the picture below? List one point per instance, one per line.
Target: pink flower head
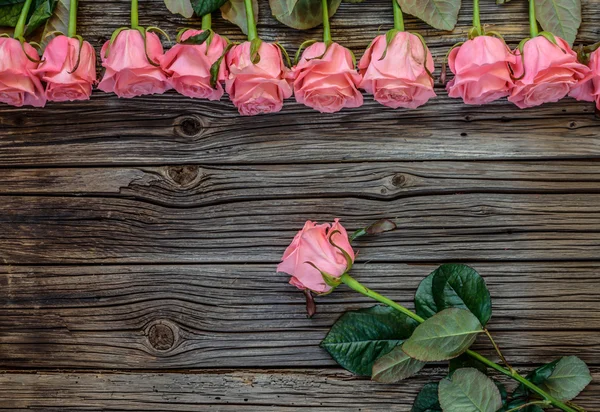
(69, 72)
(129, 72)
(260, 87)
(588, 89)
(18, 83)
(312, 248)
(396, 74)
(325, 78)
(546, 72)
(481, 70)
(188, 66)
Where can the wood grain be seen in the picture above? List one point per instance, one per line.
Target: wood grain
(181, 316)
(223, 390)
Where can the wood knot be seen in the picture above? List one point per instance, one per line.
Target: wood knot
(162, 336)
(183, 175)
(188, 126)
(399, 180)
(572, 125)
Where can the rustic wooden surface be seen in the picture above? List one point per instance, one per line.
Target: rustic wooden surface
(140, 237)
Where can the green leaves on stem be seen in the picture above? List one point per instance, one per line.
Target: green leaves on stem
(469, 390)
(441, 14)
(302, 14)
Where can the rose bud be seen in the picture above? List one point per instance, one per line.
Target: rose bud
(69, 72)
(188, 66)
(131, 65)
(259, 86)
(481, 70)
(398, 74)
(315, 249)
(325, 78)
(18, 83)
(588, 89)
(545, 72)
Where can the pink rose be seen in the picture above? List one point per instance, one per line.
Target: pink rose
(314, 244)
(481, 70)
(588, 89)
(188, 66)
(325, 78)
(257, 88)
(550, 71)
(400, 78)
(61, 56)
(128, 71)
(18, 84)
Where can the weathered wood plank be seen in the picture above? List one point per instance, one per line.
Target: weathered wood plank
(432, 228)
(170, 129)
(178, 316)
(223, 390)
(196, 185)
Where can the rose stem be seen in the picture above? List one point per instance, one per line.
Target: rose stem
(134, 14)
(476, 19)
(206, 21)
(398, 19)
(358, 287)
(326, 27)
(252, 33)
(533, 26)
(20, 27)
(72, 19)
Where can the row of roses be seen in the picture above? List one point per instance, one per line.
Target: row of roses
(396, 68)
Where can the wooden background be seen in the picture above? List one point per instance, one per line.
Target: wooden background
(140, 237)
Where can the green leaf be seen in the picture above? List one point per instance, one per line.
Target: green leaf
(441, 14)
(360, 337)
(469, 390)
(503, 393)
(465, 361)
(301, 14)
(42, 12)
(427, 399)
(9, 14)
(58, 23)
(182, 7)
(197, 39)
(444, 336)
(203, 7)
(570, 376)
(460, 286)
(39, 12)
(561, 17)
(395, 366)
(537, 377)
(425, 305)
(235, 12)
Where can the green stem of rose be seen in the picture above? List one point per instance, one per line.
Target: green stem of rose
(398, 18)
(252, 32)
(326, 27)
(358, 287)
(20, 27)
(533, 26)
(207, 21)
(72, 19)
(134, 14)
(476, 19)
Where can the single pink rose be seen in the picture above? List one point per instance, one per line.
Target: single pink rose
(56, 69)
(325, 78)
(548, 72)
(128, 71)
(188, 66)
(314, 244)
(400, 78)
(481, 70)
(588, 89)
(257, 88)
(18, 83)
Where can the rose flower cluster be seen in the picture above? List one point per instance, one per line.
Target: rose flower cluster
(396, 70)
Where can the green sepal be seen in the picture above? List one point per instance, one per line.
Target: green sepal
(5, 35)
(475, 32)
(254, 47)
(54, 33)
(460, 43)
(302, 46)
(198, 39)
(143, 33)
(284, 54)
(389, 37)
(216, 66)
(159, 31)
(521, 45)
(349, 261)
(23, 41)
(591, 48)
(113, 37)
(330, 280)
(426, 50)
(78, 37)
